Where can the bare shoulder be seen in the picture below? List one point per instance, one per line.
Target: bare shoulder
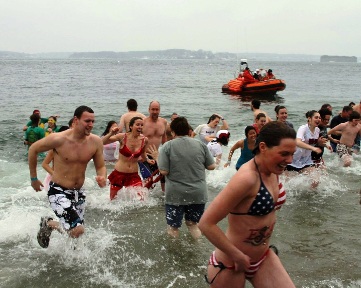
(244, 180)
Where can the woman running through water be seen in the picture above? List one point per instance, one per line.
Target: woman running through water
(247, 145)
(243, 251)
(132, 146)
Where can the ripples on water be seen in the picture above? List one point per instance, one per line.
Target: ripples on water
(125, 244)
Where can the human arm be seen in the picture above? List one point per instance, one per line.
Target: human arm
(145, 152)
(153, 152)
(239, 144)
(164, 136)
(99, 163)
(42, 145)
(226, 201)
(112, 136)
(304, 145)
(225, 125)
(47, 160)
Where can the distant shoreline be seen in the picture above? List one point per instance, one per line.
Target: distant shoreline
(169, 54)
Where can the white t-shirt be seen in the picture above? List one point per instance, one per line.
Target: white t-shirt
(215, 148)
(204, 130)
(302, 157)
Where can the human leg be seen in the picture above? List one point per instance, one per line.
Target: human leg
(174, 216)
(272, 274)
(220, 275)
(193, 214)
(345, 154)
(116, 180)
(69, 207)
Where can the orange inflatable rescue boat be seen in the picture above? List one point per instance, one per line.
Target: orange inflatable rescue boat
(242, 86)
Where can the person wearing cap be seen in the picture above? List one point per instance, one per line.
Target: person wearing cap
(183, 162)
(247, 76)
(34, 132)
(215, 146)
(42, 121)
(207, 132)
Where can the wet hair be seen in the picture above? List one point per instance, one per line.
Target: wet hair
(323, 112)
(214, 116)
(132, 121)
(249, 128)
(52, 117)
(278, 108)
(260, 115)
(132, 105)
(351, 104)
(256, 103)
(347, 109)
(309, 114)
(269, 70)
(325, 106)
(180, 126)
(272, 133)
(34, 118)
(354, 115)
(107, 129)
(81, 109)
(63, 128)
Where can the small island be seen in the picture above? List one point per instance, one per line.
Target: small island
(326, 58)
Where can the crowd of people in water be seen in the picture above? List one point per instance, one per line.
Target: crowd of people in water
(145, 149)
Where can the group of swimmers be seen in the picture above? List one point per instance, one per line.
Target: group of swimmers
(243, 251)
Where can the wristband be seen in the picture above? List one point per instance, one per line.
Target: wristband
(222, 119)
(228, 162)
(34, 178)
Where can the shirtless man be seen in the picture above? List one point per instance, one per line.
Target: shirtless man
(168, 130)
(154, 128)
(255, 104)
(349, 131)
(72, 149)
(132, 112)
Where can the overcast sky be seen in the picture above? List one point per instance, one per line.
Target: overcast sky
(268, 26)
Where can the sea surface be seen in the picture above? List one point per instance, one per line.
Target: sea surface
(125, 244)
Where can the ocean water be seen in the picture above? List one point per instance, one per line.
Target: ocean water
(125, 244)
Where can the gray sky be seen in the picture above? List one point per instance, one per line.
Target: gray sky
(267, 26)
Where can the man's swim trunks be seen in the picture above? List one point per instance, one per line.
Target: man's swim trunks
(67, 204)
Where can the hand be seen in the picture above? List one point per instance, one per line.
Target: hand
(114, 130)
(241, 262)
(317, 150)
(151, 161)
(153, 152)
(37, 185)
(226, 165)
(102, 182)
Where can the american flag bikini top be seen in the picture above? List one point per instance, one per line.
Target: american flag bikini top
(264, 204)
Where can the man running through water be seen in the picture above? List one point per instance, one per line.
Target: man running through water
(72, 149)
